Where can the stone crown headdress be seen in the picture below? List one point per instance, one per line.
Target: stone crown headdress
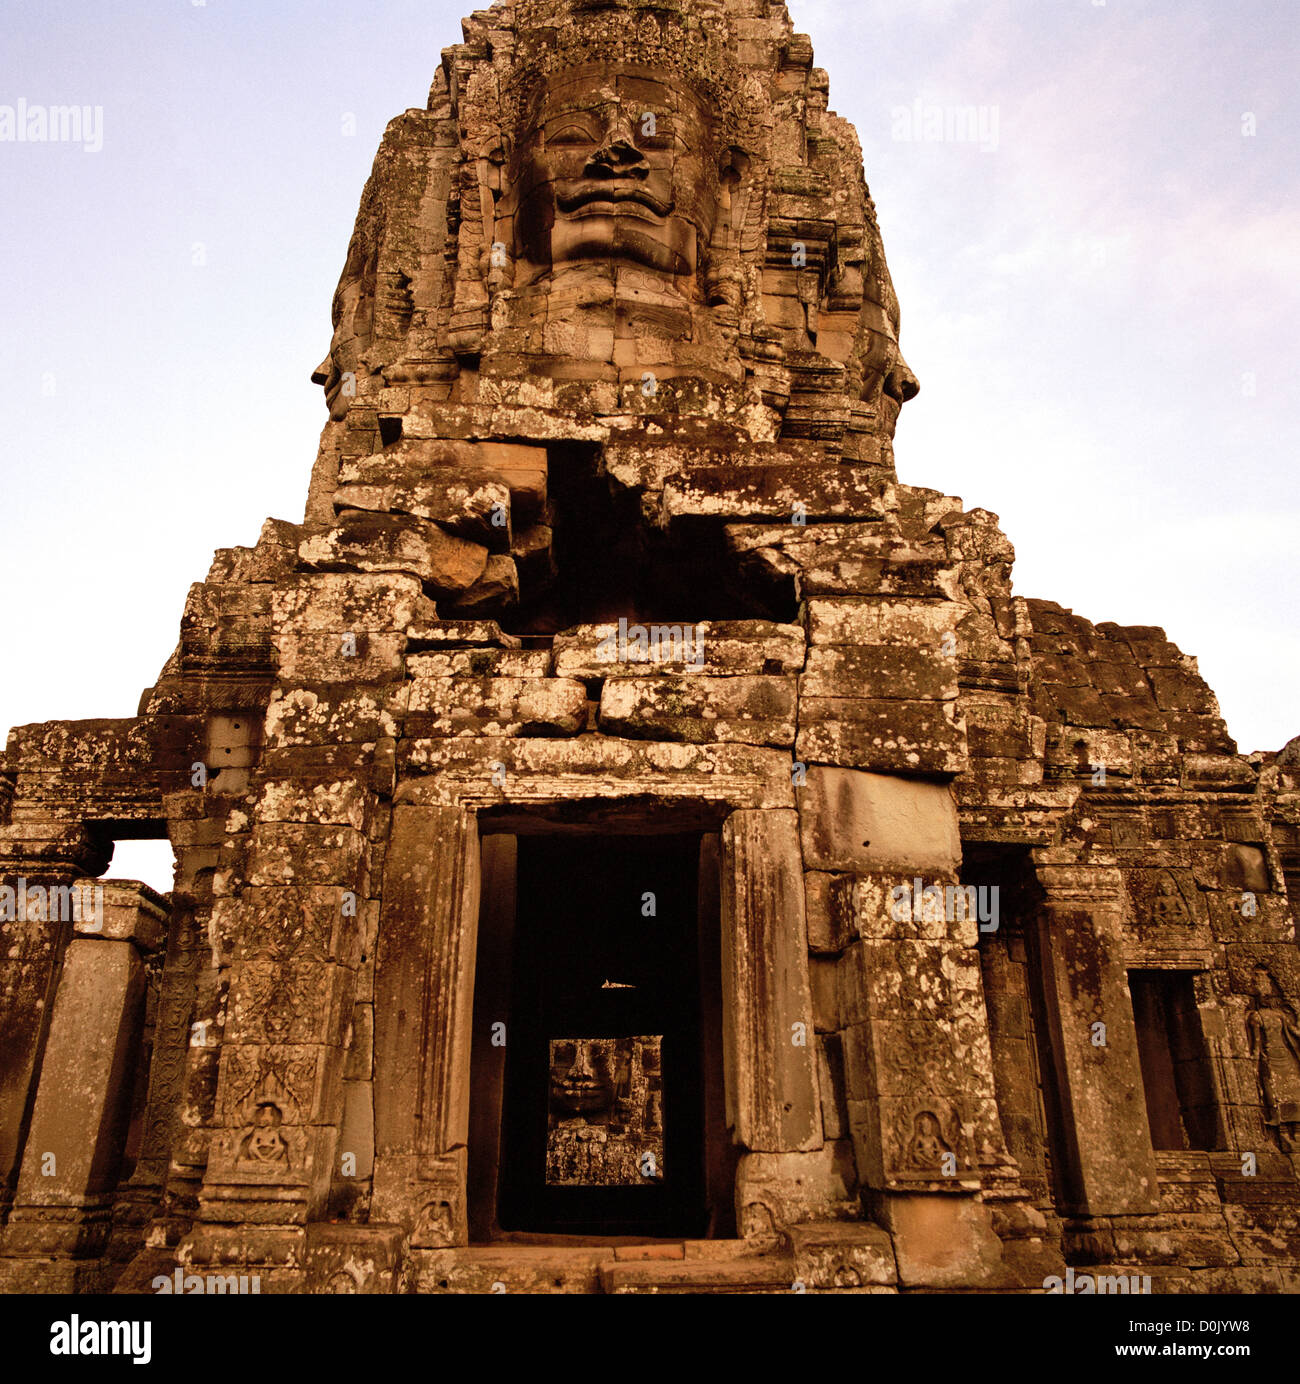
(693, 38)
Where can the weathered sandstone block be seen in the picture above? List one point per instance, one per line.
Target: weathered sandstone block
(698, 709)
(495, 706)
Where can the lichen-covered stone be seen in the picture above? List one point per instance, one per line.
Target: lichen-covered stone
(747, 710)
(495, 706)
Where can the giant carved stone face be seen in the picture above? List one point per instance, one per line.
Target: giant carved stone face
(581, 1083)
(617, 165)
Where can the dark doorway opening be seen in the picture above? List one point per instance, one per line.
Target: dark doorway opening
(1011, 968)
(603, 1110)
(1176, 1074)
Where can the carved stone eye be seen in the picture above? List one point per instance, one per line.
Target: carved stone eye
(653, 130)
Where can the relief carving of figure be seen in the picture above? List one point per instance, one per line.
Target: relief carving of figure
(353, 316)
(928, 1145)
(1275, 1043)
(887, 381)
(435, 1225)
(609, 191)
(985, 558)
(1169, 906)
(264, 1143)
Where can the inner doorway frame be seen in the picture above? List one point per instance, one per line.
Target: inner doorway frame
(428, 942)
(489, 1094)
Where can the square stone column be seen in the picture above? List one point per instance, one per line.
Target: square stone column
(424, 995)
(906, 998)
(773, 1103)
(44, 854)
(70, 1165)
(1110, 1167)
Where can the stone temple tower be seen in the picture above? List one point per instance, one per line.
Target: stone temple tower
(622, 812)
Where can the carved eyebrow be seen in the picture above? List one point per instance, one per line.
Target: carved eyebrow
(570, 122)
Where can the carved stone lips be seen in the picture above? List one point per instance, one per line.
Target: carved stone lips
(607, 190)
(582, 1093)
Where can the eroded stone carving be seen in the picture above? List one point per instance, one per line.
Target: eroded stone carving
(606, 1112)
(927, 1141)
(262, 1143)
(927, 1148)
(1275, 1043)
(617, 167)
(435, 1225)
(1169, 906)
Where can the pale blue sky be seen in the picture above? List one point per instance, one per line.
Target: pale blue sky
(1088, 305)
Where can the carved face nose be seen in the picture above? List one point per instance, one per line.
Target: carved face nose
(618, 156)
(901, 384)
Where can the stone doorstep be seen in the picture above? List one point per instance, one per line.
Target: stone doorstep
(509, 1269)
(635, 1254)
(667, 1266)
(769, 1273)
(692, 1266)
(51, 1276)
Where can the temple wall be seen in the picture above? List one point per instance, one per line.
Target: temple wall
(605, 537)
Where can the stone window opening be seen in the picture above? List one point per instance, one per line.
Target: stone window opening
(1034, 1122)
(141, 851)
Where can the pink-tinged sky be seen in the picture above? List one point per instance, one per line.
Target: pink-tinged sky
(1100, 297)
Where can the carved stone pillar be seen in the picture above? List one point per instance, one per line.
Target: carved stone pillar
(424, 989)
(294, 906)
(773, 1102)
(33, 855)
(908, 1002)
(1110, 1166)
(280, 1091)
(500, 856)
(192, 1003)
(70, 1166)
(140, 1199)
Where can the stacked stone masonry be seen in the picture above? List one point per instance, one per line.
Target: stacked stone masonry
(605, 544)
